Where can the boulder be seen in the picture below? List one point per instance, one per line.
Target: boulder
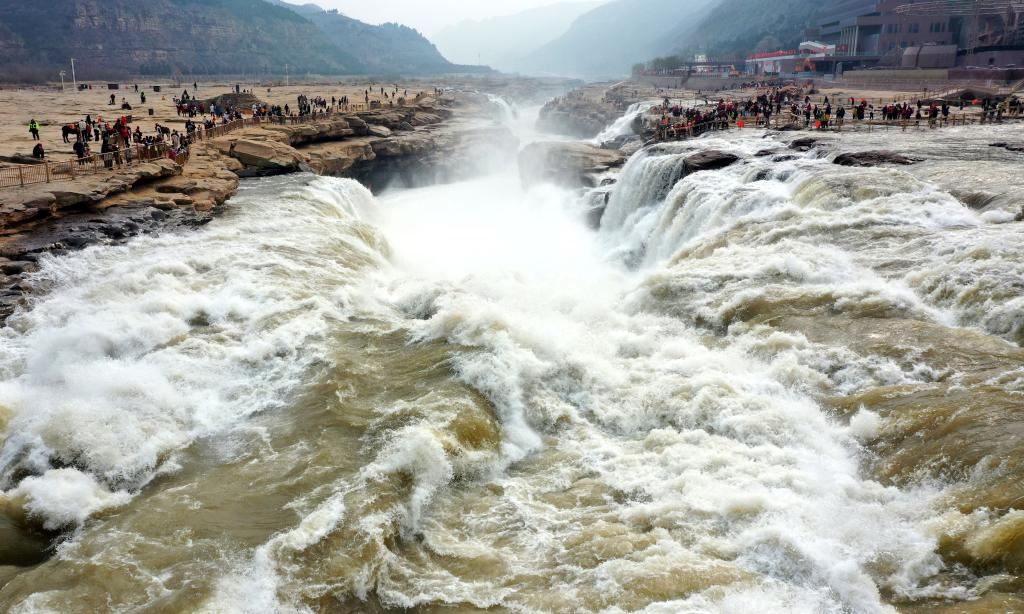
(873, 158)
(1009, 146)
(263, 158)
(567, 164)
(804, 144)
(621, 142)
(380, 131)
(710, 160)
(358, 126)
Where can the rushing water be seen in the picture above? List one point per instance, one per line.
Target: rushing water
(623, 126)
(785, 386)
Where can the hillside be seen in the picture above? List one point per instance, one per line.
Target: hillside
(502, 41)
(115, 39)
(112, 38)
(608, 40)
(734, 28)
(385, 49)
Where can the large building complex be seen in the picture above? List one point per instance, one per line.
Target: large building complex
(907, 34)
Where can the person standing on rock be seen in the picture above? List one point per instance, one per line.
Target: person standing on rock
(142, 98)
(33, 127)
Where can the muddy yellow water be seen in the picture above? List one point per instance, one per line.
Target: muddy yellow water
(777, 387)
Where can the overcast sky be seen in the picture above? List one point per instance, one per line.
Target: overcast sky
(426, 16)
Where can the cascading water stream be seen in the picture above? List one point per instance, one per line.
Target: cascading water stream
(624, 125)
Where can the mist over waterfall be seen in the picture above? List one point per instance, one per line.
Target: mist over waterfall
(731, 396)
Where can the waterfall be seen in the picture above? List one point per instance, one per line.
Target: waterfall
(624, 125)
(780, 386)
(509, 115)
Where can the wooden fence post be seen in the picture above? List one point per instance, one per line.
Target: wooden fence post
(47, 166)
(21, 176)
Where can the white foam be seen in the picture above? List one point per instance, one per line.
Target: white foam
(865, 425)
(64, 498)
(138, 350)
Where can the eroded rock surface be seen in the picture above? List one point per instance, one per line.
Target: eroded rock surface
(568, 164)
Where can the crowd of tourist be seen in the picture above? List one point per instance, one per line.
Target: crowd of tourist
(119, 140)
(678, 121)
(116, 140)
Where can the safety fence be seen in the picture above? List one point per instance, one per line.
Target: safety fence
(205, 134)
(45, 172)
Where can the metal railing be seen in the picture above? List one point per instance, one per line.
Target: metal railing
(45, 172)
(204, 134)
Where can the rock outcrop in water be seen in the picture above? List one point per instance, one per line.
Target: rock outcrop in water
(262, 158)
(413, 146)
(804, 144)
(1018, 147)
(568, 164)
(577, 116)
(710, 160)
(873, 158)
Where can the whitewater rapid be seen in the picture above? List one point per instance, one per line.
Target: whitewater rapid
(463, 396)
(623, 126)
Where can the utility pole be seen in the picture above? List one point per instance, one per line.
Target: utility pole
(62, 73)
(73, 78)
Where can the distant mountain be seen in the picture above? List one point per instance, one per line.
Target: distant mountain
(608, 40)
(734, 28)
(385, 49)
(501, 42)
(115, 39)
(112, 38)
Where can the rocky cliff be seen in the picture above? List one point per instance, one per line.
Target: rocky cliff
(577, 116)
(407, 147)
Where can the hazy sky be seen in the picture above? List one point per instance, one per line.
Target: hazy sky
(427, 17)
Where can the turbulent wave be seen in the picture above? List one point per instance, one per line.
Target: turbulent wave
(783, 386)
(137, 351)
